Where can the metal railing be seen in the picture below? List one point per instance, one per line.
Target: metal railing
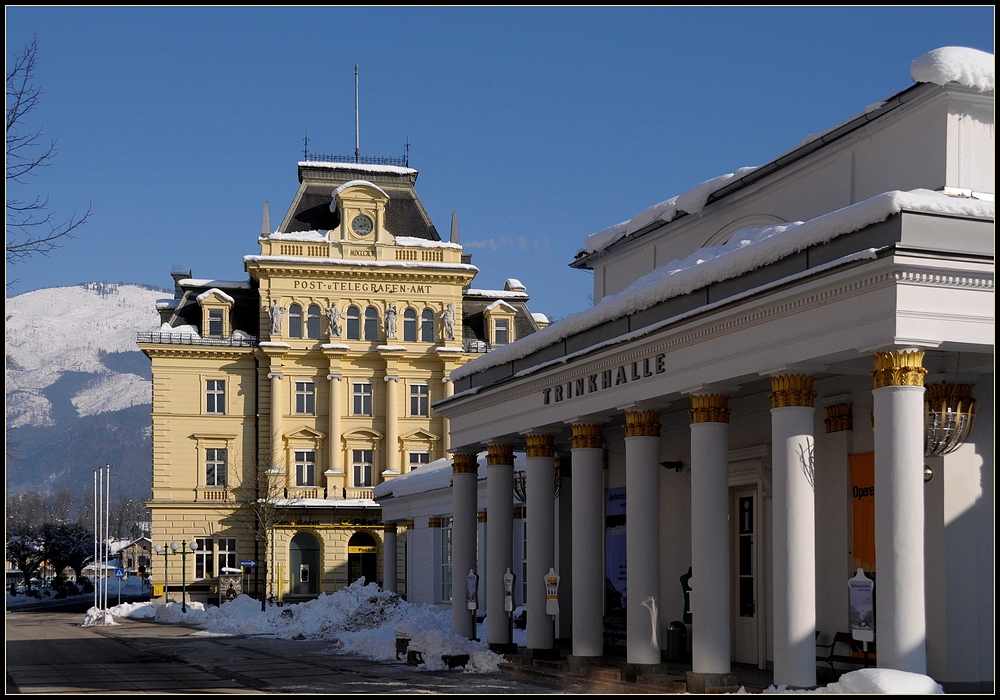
(246, 341)
(401, 161)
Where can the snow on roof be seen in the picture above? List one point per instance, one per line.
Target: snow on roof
(411, 242)
(178, 330)
(495, 294)
(354, 183)
(539, 317)
(357, 263)
(498, 303)
(955, 64)
(167, 303)
(431, 477)
(691, 202)
(746, 250)
(324, 503)
(318, 236)
(217, 292)
(357, 166)
(514, 285)
(223, 284)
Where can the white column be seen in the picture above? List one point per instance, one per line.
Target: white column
(391, 425)
(710, 636)
(794, 523)
(449, 389)
(277, 456)
(642, 527)
(900, 622)
(463, 541)
(588, 540)
(336, 459)
(499, 539)
(540, 478)
(389, 566)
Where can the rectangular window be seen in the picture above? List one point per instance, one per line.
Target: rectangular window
(363, 467)
(215, 396)
(305, 398)
(362, 393)
(215, 467)
(419, 395)
(203, 558)
(446, 558)
(227, 555)
(419, 459)
(501, 331)
(215, 323)
(305, 467)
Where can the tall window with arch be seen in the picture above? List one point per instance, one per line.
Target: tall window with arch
(312, 322)
(371, 323)
(353, 323)
(294, 321)
(410, 326)
(427, 326)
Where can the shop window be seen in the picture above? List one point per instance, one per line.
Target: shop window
(227, 555)
(203, 558)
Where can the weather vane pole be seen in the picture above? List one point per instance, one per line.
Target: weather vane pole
(357, 128)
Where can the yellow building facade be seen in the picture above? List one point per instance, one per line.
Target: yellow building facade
(280, 401)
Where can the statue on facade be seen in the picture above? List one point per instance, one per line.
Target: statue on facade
(390, 322)
(276, 312)
(448, 319)
(333, 316)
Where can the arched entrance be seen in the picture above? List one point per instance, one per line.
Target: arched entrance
(362, 558)
(303, 557)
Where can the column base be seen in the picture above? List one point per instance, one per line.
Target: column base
(541, 654)
(500, 648)
(575, 663)
(704, 682)
(632, 673)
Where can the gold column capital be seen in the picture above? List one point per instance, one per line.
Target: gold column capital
(586, 436)
(389, 527)
(518, 512)
(898, 368)
(642, 424)
(465, 463)
(481, 516)
(500, 454)
(540, 445)
(710, 408)
(434, 521)
(838, 418)
(408, 524)
(792, 390)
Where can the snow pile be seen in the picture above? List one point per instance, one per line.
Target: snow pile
(360, 619)
(955, 64)
(875, 681)
(747, 250)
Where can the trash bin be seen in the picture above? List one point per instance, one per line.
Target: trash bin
(676, 641)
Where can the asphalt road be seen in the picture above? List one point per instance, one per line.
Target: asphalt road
(47, 651)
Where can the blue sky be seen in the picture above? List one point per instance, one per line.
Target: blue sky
(539, 126)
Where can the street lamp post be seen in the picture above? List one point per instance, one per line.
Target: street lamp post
(181, 549)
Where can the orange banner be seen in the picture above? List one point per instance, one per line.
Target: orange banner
(863, 500)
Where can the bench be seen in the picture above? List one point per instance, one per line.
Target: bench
(856, 654)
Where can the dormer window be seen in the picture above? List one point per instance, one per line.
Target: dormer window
(216, 323)
(216, 307)
(501, 331)
(499, 323)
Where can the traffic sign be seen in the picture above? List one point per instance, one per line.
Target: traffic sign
(119, 573)
(248, 562)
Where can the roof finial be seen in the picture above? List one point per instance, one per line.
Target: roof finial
(454, 227)
(265, 229)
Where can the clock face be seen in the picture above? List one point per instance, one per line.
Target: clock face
(362, 225)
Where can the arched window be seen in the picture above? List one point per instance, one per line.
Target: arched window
(294, 321)
(353, 323)
(312, 321)
(410, 326)
(371, 323)
(427, 326)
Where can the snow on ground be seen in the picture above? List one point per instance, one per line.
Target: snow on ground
(365, 621)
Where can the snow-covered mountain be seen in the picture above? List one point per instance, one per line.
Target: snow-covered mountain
(77, 388)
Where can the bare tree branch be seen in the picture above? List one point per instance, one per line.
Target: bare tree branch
(31, 227)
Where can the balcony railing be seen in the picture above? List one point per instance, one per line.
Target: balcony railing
(244, 341)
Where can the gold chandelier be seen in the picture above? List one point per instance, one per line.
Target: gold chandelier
(949, 417)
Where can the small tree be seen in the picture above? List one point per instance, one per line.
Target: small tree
(68, 545)
(31, 226)
(26, 551)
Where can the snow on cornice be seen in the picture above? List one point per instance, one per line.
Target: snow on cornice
(411, 242)
(498, 303)
(357, 263)
(222, 284)
(495, 294)
(392, 348)
(217, 292)
(334, 346)
(955, 64)
(395, 169)
(431, 477)
(690, 202)
(324, 503)
(747, 250)
(272, 344)
(354, 183)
